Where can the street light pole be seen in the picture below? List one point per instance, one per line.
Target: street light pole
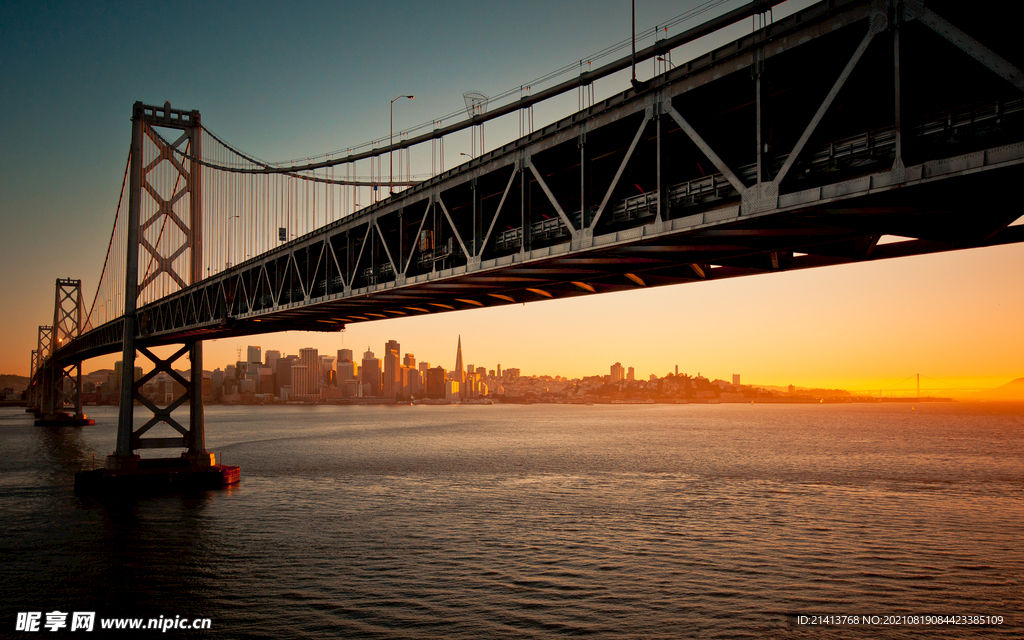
(391, 152)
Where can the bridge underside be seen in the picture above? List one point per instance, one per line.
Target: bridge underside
(801, 145)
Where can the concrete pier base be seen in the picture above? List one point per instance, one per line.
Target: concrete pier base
(62, 419)
(132, 475)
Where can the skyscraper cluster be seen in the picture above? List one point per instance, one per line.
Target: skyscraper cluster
(311, 377)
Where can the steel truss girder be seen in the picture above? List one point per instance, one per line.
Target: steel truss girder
(702, 225)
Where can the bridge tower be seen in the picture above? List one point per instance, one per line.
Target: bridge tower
(62, 382)
(181, 210)
(39, 399)
(31, 396)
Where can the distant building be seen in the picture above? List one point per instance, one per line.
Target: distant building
(617, 373)
(631, 375)
(459, 374)
(266, 380)
(300, 381)
(310, 358)
(392, 381)
(435, 382)
(451, 391)
(735, 379)
(370, 374)
(283, 378)
(217, 380)
(253, 362)
(328, 375)
(346, 372)
(415, 383)
(272, 357)
(409, 360)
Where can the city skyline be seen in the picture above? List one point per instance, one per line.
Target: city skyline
(311, 361)
(953, 316)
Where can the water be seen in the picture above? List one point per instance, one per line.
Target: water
(712, 521)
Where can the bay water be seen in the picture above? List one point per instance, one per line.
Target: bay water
(538, 521)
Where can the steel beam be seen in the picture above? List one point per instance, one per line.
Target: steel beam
(705, 148)
(648, 114)
(992, 61)
(877, 24)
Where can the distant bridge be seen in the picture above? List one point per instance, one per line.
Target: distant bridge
(802, 144)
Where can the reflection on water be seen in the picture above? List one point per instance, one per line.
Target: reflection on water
(657, 521)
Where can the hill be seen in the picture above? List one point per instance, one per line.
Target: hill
(1009, 391)
(18, 383)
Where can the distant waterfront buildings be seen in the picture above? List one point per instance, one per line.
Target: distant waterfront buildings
(309, 377)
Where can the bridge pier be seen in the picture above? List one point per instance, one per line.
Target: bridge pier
(128, 472)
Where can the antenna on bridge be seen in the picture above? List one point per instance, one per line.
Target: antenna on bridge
(637, 85)
(476, 105)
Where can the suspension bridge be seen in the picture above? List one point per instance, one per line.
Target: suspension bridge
(852, 130)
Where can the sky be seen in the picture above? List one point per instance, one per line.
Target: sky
(291, 80)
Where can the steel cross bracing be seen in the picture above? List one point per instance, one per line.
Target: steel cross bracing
(799, 145)
(174, 208)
